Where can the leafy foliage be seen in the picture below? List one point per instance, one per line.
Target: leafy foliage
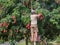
(15, 15)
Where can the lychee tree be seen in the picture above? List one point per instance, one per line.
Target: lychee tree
(15, 18)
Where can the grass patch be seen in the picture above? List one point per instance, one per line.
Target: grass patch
(1, 41)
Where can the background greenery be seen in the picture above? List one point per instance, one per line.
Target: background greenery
(15, 15)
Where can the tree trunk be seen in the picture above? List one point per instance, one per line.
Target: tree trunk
(26, 40)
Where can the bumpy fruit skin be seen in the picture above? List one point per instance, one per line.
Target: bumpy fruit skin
(14, 18)
(4, 31)
(28, 26)
(5, 24)
(15, 21)
(1, 24)
(40, 16)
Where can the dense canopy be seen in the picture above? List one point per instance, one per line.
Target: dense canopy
(15, 15)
